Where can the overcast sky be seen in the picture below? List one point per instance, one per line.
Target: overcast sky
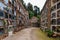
(39, 3)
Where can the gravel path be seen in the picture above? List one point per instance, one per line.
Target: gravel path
(25, 34)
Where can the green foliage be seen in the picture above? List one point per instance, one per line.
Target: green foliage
(31, 14)
(25, 6)
(49, 32)
(38, 16)
(30, 7)
(22, 1)
(4, 22)
(36, 11)
(30, 10)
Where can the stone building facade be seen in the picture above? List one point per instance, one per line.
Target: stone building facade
(13, 16)
(55, 15)
(50, 15)
(45, 15)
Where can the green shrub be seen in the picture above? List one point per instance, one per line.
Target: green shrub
(49, 33)
(31, 14)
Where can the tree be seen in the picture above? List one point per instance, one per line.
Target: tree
(31, 14)
(30, 10)
(30, 7)
(24, 5)
(36, 11)
(22, 1)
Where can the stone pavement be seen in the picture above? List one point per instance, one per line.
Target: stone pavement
(25, 34)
